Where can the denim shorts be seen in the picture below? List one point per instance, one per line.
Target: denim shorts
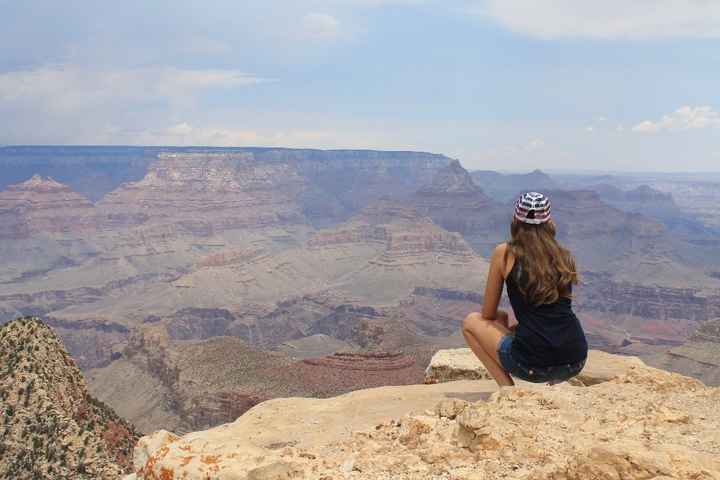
(554, 374)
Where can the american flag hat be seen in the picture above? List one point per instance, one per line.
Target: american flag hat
(533, 208)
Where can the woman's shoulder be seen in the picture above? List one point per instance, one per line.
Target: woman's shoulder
(500, 250)
(504, 257)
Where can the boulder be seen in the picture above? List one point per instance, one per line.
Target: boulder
(455, 364)
(462, 364)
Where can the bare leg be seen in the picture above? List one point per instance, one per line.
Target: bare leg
(483, 337)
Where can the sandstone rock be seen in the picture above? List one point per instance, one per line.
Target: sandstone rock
(450, 408)
(204, 193)
(641, 424)
(455, 202)
(276, 471)
(258, 438)
(43, 205)
(601, 367)
(412, 428)
(401, 233)
(699, 357)
(455, 364)
(149, 444)
(461, 363)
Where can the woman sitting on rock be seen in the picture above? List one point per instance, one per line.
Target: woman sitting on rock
(548, 343)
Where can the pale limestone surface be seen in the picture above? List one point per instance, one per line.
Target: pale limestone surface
(642, 423)
(455, 364)
(601, 367)
(462, 364)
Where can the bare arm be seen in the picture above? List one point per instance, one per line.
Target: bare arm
(494, 286)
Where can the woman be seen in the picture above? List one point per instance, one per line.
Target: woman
(548, 344)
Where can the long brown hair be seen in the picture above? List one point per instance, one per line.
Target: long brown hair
(549, 268)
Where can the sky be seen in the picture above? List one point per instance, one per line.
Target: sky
(499, 84)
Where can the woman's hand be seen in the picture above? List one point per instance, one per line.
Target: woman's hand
(502, 317)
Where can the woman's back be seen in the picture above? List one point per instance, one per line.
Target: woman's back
(547, 334)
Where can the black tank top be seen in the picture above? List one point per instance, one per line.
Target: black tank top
(548, 334)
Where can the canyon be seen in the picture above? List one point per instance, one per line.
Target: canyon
(627, 420)
(619, 418)
(213, 279)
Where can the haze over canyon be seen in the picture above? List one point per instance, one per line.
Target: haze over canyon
(190, 284)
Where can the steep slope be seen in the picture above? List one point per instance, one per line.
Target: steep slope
(52, 427)
(204, 193)
(43, 205)
(340, 181)
(376, 259)
(456, 203)
(504, 187)
(698, 357)
(189, 385)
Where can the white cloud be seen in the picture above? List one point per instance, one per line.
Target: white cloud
(607, 19)
(184, 133)
(684, 118)
(535, 144)
(321, 26)
(74, 88)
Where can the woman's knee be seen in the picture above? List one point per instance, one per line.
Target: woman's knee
(472, 321)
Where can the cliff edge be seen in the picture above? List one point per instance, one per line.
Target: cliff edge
(621, 420)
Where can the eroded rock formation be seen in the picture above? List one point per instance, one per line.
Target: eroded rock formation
(205, 193)
(698, 357)
(43, 205)
(53, 428)
(637, 423)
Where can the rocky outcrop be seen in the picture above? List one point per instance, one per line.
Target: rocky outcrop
(504, 187)
(43, 205)
(582, 215)
(187, 385)
(370, 361)
(452, 180)
(455, 364)
(341, 182)
(456, 203)
(643, 194)
(698, 357)
(600, 294)
(447, 294)
(638, 423)
(210, 192)
(405, 236)
(53, 427)
(462, 364)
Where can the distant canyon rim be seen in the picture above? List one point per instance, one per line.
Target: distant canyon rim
(208, 280)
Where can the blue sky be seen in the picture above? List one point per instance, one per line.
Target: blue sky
(503, 84)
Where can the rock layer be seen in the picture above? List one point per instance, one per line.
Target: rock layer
(455, 202)
(699, 356)
(206, 193)
(43, 205)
